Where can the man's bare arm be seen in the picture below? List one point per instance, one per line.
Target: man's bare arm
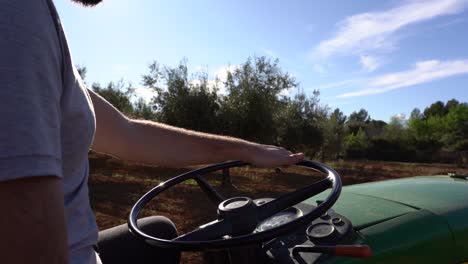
(156, 143)
(33, 221)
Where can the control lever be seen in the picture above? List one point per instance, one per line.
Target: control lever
(354, 251)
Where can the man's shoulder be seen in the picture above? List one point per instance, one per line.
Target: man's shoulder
(26, 16)
(28, 34)
(19, 6)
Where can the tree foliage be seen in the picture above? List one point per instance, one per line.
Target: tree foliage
(358, 121)
(334, 133)
(256, 107)
(118, 94)
(299, 123)
(356, 144)
(252, 100)
(182, 101)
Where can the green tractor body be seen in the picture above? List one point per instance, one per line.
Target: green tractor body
(412, 220)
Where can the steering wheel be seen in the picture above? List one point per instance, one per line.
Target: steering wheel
(238, 217)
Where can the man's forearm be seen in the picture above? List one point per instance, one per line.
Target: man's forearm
(163, 145)
(33, 221)
(156, 143)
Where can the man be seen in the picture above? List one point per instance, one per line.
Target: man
(49, 122)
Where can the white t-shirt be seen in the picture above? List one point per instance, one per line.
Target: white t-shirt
(47, 118)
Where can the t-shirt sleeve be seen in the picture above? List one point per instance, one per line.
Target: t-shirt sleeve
(30, 91)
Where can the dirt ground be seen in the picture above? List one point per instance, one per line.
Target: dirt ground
(115, 186)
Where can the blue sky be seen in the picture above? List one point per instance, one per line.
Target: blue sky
(385, 56)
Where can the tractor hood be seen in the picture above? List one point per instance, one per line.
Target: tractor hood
(423, 214)
(369, 203)
(441, 199)
(365, 210)
(441, 195)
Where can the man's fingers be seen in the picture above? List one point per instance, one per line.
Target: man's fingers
(273, 156)
(295, 158)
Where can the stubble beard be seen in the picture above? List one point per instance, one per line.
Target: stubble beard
(88, 3)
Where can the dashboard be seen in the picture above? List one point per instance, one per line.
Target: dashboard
(329, 229)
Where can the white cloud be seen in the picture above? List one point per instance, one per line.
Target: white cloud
(422, 72)
(145, 93)
(401, 117)
(286, 92)
(369, 63)
(220, 76)
(222, 72)
(211, 84)
(373, 30)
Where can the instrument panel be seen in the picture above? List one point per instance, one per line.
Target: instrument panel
(329, 229)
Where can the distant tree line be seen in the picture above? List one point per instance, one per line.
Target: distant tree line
(255, 106)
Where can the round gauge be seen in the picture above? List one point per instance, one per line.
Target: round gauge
(321, 230)
(280, 218)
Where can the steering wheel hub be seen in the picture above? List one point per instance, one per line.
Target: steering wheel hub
(235, 205)
(241, 212)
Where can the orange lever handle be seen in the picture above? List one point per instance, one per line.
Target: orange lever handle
(360, 251)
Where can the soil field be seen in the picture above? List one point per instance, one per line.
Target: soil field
(115, 186)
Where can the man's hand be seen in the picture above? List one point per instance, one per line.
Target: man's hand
(271, 156)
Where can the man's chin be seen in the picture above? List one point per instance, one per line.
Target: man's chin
(88, 3)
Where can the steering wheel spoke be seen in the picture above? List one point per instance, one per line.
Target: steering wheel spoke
(211, 230)
(212, 194)
(271, 208)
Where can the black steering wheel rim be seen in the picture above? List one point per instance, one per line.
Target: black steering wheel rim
(332, 178)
